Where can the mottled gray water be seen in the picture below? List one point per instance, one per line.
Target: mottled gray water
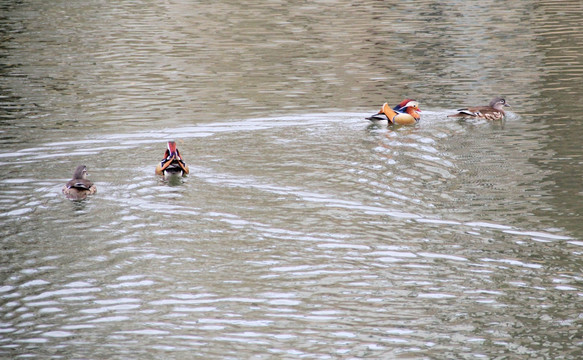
(302, 231)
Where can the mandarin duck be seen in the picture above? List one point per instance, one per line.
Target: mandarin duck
(406, 113)
(172, 163)
(79, 186)
(493, 111)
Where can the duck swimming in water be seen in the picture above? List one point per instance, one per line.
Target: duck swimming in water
(493, 111)
(172, 163)
(406, 113)
(79, 186)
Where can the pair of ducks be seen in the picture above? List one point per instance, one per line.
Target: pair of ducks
(407, 112)
(79, 187)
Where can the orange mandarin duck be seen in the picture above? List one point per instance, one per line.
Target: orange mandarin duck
(406, 113)
(79, 186)
(172, 163)
(493, 111)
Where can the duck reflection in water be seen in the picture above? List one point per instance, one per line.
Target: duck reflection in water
(172, 165)
(79, 186)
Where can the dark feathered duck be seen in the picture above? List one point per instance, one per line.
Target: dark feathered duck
(79, 186)
(493, 111)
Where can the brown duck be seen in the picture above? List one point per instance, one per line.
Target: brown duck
(79, 186)
(493, 111)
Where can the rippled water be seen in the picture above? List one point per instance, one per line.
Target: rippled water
(302, 231)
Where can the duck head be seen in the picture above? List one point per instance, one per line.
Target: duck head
(80, 172)
(409, 106)
(171, 152)
(498, 103)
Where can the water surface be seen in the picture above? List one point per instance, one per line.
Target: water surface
(302, 231)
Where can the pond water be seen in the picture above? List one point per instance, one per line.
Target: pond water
(302, 231)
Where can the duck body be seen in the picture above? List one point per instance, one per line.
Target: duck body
(405, 113)
(493, 111)
(172, 163)
(79, 187)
